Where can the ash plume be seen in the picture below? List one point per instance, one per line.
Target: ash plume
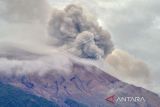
(128, 68)
(73, 29)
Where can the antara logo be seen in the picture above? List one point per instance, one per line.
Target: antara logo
(114, 99)
(111, 99)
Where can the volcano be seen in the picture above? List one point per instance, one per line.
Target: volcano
(84, 86)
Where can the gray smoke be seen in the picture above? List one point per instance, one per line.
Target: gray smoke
(82, 35)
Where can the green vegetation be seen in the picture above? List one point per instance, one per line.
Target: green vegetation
(14, 97)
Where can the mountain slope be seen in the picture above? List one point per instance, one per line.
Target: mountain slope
(14, 97)
(84, 86)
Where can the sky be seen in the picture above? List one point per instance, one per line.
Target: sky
(134, 26)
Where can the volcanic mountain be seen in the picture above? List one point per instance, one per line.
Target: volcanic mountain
(84, 85)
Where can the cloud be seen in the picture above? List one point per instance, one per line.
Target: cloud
(24, 26)
(129, 68)
(24, 10)
(39, 65)
(73, 29)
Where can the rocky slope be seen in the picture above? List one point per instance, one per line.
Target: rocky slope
(84, 86)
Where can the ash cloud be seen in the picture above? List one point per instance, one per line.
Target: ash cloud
(81, 35)
(128, 68)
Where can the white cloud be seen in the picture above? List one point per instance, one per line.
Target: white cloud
(40, 65)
